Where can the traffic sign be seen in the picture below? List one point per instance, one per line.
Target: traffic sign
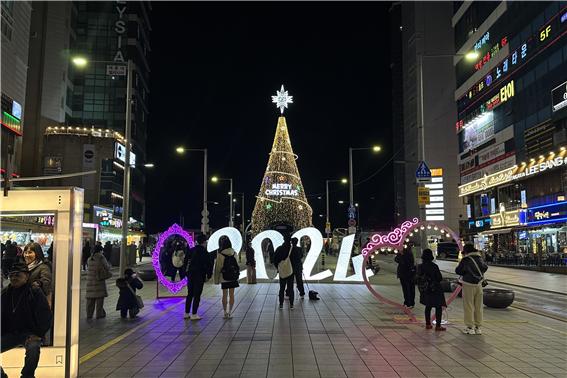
(423, 195)
(116, 70)
(351, 212)
(423, 173)
(352, 222)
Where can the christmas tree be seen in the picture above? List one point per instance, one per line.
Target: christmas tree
(281, 200)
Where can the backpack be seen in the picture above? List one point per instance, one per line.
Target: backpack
(230, 270)
(425, 284)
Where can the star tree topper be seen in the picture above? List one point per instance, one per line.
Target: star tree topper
(281, 99)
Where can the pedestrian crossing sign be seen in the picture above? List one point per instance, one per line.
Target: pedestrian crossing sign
(423, 173)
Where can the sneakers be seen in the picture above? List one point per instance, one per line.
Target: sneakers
(281, 307)
(187, 316)
(291, 307)
(226, 315)
(439, 328)
(195, 317)
(469, 331)
(477, 331)
(428, 326)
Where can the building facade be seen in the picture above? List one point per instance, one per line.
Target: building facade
(16, 18)
(427, 50)
(79, 112)
(512, 129)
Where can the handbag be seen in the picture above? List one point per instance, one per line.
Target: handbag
(284, 267)
(483, 280)
(139, 301)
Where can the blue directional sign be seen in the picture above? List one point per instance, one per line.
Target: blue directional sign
(423, 173)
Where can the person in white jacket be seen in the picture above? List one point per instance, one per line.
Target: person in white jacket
(226, 274)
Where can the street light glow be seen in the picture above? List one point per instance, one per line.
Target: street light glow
(471, 55)
(79, 61)
(214, 179)
(376, 148)
(341, 202)
(180, 150)
(344, 180)
(149, 165)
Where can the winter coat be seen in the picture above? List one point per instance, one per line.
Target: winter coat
(430, 270)
(296, 256)
(281, 254)
(41, 274)
(250, 260)
(468, 270)
(32, 313)
(86, 252)
(199, 266)
(219, 263)
(97, 267)
(127, 299)
(406, 265)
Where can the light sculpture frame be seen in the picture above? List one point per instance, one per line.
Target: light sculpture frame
(396, 240)
(175, 229)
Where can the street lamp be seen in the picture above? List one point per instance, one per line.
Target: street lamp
(350, 166)
(149, 165)
(217, 179)
(81, 62)
(205, 213)
(328, 223)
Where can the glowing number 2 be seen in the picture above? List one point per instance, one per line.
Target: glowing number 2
(276, 238)
(235, 239)
(314, 251)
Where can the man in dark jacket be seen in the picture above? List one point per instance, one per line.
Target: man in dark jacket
(286, 283)
(199, 269)
(471, 268)
(297, 263)
(406, 274)
(26, 317)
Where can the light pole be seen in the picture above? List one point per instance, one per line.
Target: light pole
(243, 225)
(421, 122)
(82, 62)
(328, 221)
(351, 170)
(230, 217)
(205, 213)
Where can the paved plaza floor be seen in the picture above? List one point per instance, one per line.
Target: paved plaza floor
(345, 334)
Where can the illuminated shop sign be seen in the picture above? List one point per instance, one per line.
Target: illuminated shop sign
(11, 115)
(506, 92)
(555, 28)
(559, 97)
(482, 41)
(551, 213)
(105, 217)
(508, 219)
(491, 54)
(479, 224)
(478, 131)
(516, 172)
(120, 154)
(282, 190)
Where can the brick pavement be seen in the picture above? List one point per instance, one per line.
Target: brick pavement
(346, 334)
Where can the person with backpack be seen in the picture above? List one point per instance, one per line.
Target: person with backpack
(471, 268)
(406, 274)
(226, 274)
(282, 262)
(430, 292)
(128, 300)
(199, 269)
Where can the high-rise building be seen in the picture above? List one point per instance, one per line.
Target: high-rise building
(512, 128)
(79, 111)
(427, 53)
(15, 36)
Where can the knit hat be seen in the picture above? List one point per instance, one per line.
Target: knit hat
(18, 268)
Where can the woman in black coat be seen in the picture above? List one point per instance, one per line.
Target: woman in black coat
(406, 274)
(431, 294)
(127, 301)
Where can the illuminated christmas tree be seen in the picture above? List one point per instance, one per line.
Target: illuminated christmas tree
(281, 200)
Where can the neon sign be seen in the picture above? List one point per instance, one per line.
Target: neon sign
(282, 190)
(490, 54)
(550, 213)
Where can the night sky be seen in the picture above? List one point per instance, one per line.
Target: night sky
(213, 69)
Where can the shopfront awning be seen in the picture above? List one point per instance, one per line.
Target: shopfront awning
(497, 231)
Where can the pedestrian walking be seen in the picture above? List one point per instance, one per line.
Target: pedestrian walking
(199, 268)
(471, 268)
(406, 274)
(250, 264)
(141, 250)
(128, 299)
(86, 254)
(26, 317)
(226, 274)
(107, 250)
(297, 264)
(282, 262)
(98, 271)
(40, 275)
(430, 292)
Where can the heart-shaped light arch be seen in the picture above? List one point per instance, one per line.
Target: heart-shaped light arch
(175, 229)
(395, 240)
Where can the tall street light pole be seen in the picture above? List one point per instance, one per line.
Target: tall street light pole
(205, 212)
(351, 170)
(328, 221)
(230, 216)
